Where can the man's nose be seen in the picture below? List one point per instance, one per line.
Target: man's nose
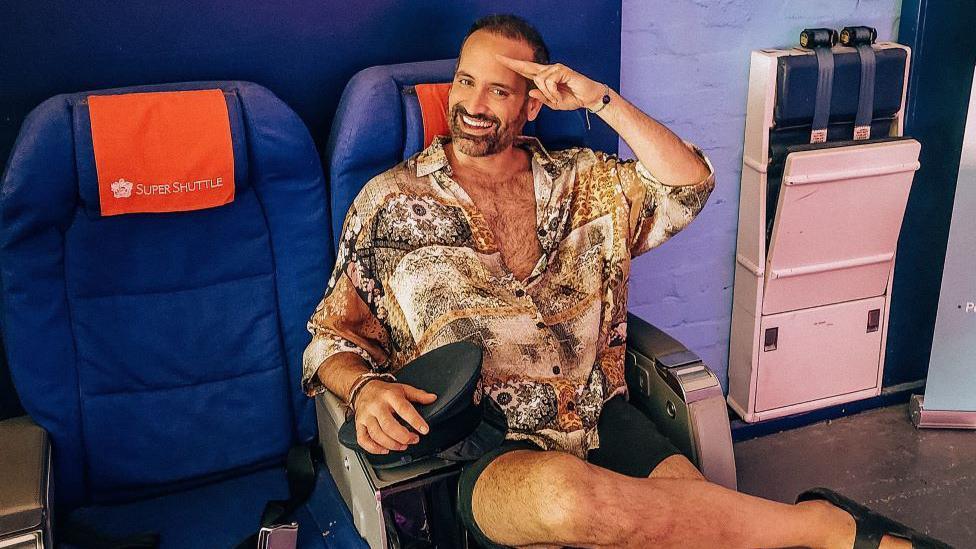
(478, 103)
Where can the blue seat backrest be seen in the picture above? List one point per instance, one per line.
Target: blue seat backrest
(378, 124)
(161, 350)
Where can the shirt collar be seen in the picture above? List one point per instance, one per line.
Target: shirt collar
(433, 158)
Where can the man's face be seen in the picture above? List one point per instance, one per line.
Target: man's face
(489, 103)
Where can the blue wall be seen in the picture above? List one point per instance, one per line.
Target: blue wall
(303, 50)
(687, 64)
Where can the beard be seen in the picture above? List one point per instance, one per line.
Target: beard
(498, 139)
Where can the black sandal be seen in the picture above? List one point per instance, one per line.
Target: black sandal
(872, 526)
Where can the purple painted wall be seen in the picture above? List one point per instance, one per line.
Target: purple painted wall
(686, 64)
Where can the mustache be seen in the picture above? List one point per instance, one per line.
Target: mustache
(458, 109)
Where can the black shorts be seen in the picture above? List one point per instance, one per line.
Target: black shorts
(630, 444)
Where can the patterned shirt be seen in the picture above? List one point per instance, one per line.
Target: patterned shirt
(418, 268)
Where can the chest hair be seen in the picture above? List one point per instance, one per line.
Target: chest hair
(509, 209)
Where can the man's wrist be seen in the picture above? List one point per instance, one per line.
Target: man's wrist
(362, 381)
(600, 101)
(354, 396)
(340, 371)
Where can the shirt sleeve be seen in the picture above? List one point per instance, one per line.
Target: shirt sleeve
(345, 320)
(658, 211)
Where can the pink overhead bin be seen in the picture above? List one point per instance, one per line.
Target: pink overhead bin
(818, 227)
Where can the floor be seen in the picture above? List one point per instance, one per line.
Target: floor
(924, 478)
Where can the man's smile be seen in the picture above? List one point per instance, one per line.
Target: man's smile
(475, 123)
(473, 126)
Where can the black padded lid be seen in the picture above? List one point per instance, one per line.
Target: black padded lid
(796, 84)
(451, 372)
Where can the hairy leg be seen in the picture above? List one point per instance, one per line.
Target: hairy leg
(527, 498)
(676, 466)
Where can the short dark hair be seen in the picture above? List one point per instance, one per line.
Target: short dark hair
(516, 28)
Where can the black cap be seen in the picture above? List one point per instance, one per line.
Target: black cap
(451, 372)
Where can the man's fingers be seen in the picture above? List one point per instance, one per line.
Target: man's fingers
(541, 97)
(552, 90)
(377, 433)
(409, 414)
(540, 84)
(545, 77)
(527, 69)
(417, 395)
(396, 430)
(366, 442)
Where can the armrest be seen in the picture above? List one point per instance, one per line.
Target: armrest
(682, 396)
(25, 481)
(362, 487)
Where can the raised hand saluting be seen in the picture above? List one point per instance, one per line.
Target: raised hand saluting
(659, 150)
(558, 86)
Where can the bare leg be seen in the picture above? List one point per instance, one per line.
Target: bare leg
(526, 498)
(678, 466)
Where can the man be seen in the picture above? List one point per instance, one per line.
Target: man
(488, 237)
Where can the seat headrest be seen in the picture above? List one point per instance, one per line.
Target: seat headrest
(154, 152)
(433, 110)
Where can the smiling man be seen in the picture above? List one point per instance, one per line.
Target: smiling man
(488, 237)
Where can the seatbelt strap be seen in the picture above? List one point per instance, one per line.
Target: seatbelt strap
(821, 41)
(300, 469)
(861, 38)
(825, 86)
(865, 98)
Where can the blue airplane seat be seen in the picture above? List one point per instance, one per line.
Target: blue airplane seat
(378, 124)
(162, 351)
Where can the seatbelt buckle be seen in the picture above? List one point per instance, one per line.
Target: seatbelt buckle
(282, 536)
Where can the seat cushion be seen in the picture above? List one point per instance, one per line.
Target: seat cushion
(222, 514)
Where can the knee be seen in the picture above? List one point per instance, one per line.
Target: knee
(677, 467)
(572, 489)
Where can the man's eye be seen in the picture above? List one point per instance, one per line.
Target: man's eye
(464, 81)
(499, 93)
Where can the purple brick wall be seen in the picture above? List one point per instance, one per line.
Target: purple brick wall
(686, 63)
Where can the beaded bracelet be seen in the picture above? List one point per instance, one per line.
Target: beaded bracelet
(361, 382)
(604, 101)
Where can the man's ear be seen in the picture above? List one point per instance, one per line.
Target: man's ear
(533, 106)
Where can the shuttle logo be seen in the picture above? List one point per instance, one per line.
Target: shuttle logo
(122, 188)
(176, 187)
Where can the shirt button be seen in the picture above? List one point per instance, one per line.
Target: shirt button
(556, 370)
(570, 405)
(540, 325)
(519, 292)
